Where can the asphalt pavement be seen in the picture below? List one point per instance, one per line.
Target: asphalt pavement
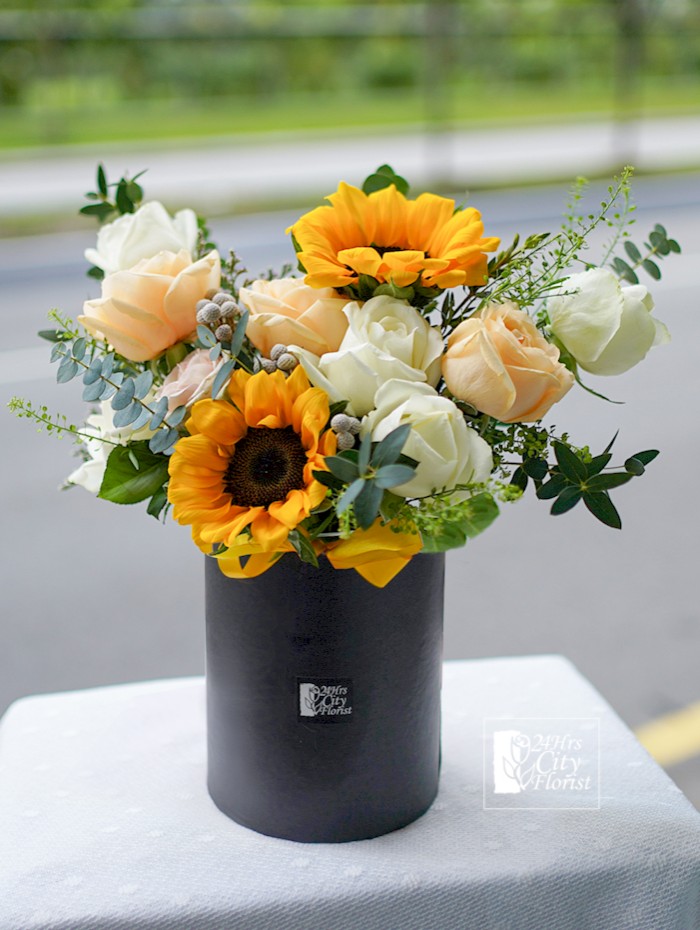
(94, 593)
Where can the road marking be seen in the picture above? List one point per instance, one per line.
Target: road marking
(674, 737)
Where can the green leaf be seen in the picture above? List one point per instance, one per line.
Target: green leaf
(215, 352)
(96, 273)
(611, 443)
(634, 466)
(552, 488)
(392, 290)
(342, 467)
(660, 230)
(657, 238)
(391, 505)
(535, 468)
(597, 464)
(328, 480)
(158, 503)
(51, 335)
(387, 451)
(107, 365)
(624, 271)
(367, 504)
(673, 246)
(633, 251)
(337, 407)
(449, 536)
(383, 177)
(647, 456)
(222, 376)
(482, 510)
(124, 203)
(519, 478)
(101, 180)
(603, 509)
(389, 476)
(568, 498)
(349, 495)
(606, 482)
(303, 547)
(100, 210)
(569, 463)
(652, 269)
(123, 484)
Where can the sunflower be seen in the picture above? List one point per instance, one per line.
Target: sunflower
(392, 239)
(248, 462)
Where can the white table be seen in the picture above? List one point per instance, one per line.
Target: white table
(105, 824)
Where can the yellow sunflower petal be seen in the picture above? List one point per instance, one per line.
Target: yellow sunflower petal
(219, 422)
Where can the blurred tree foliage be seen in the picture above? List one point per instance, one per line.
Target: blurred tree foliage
(77, 54)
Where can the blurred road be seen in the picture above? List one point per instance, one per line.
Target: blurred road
(92, 593)
(221, 174)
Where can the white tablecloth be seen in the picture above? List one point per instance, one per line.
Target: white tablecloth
(105, 824)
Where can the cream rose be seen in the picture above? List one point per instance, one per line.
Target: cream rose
(151, 306)
(101, 426)
(386, 338)
(606, 327)
(139, 235)
(500, 362)
(286, 311)
(190, 380)
(448, 452)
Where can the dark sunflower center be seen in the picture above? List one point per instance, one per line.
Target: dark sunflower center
(383, 249)
(266, 465)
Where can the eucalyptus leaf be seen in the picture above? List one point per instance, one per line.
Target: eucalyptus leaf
(124, 395)
(67, 370)
(143, 383)
(569, 463)
(602, 509)
(390, 476)
(206, 336)
(222, 376)
(568, 499)
(160, 408)
(303, 547)
(177, 416)
(342, 467)
(126, 415)
(93, 392)
(387, 451)
(367, 504)
(163, 440)
(94, 372)
(239, 334)
(347, 498)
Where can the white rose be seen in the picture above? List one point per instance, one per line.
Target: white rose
(386, 338)
(448, 452)
(190, 380)
(90, 474)
(606, 327)
(135, 236)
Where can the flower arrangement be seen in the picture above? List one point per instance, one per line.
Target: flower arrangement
(382, 402)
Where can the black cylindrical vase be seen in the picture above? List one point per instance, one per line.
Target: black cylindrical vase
(323, 698)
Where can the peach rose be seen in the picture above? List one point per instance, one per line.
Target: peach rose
(150, 307)
(190, 380)
(288, 312)
(500, 362)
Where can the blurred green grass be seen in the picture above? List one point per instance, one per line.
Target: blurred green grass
(459, 105)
